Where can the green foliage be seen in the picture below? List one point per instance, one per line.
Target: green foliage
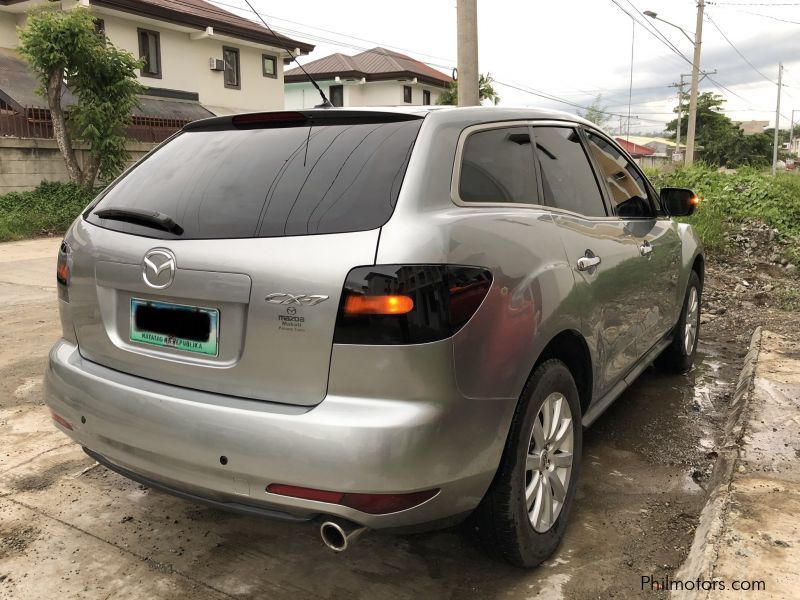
(62, 46)
(723, 142)
(50, 208)
(596, 112)
(730, 199)
(485, 91)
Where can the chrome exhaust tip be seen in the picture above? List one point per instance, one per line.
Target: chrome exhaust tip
(338, 535)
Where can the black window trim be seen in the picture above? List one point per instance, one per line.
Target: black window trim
(236, 51)
(656, 212)
(426, 97)
(410, 94)
(455, 195)
(274, 59)
(139, 32)
(338, 87)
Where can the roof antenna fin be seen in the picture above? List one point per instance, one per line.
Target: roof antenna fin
(325, 102)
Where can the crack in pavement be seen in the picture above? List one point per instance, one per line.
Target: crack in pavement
(34, 457)
(153, 564)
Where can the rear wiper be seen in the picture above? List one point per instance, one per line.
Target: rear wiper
(145, 218)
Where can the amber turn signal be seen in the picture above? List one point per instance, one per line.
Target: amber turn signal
(377, 305)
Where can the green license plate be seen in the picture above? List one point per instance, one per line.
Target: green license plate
(188, 328)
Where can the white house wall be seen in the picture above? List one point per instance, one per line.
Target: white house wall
(372, 93)
(184, 66)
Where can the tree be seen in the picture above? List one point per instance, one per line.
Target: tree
(596, 112)
(62, 48)
(485, 91)
(723, 142)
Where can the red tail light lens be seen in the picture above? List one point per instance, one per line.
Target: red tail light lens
(63, 272)
(408, 304)
(374, 504)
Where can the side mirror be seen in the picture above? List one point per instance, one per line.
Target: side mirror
(678, 202)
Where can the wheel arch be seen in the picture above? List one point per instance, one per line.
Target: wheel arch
(570, 347)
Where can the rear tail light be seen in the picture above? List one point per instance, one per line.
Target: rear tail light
(61, 420)
(408, 304)
(63, 272)
(374, 504)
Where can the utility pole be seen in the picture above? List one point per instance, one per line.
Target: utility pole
(791, 132)
(680, 111)
(777, 121)
(698, 40)
(467, 14)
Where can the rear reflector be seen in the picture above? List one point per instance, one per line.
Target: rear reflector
(408, 304)
(269, 118)
(374, 504)
(60, 420)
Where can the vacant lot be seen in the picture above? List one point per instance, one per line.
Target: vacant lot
(72, 529)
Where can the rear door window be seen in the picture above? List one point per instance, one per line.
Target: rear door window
(497, 166)
(267, 182)
(626, 184)
(568, 181)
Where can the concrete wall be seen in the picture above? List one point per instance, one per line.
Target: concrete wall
(373, 93)
(25, 163)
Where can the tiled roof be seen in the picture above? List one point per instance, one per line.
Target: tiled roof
(374, 65)
(633, 148)
(196, 13)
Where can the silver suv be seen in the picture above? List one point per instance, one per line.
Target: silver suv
(383, 319)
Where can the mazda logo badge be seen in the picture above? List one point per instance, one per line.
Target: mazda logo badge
(158, 268)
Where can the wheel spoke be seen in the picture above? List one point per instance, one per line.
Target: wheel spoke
(538, 496)
(564, 429)
(547, 418)
(555, 419)
(546, 511)
(558, 488)
(533, 490)
(561, 459)
(538, 434)
(532, 463)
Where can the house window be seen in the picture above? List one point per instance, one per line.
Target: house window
(232, 73)
(407, 94)
(269, 66)
(426, 97)
(150, 53)
(100, 27)
(336, 93)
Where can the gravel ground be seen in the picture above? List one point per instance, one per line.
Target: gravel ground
(74, 529)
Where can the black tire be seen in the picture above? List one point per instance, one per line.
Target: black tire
(676, 358)
(502, 517)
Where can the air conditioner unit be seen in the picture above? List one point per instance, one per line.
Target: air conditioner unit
(216, 64)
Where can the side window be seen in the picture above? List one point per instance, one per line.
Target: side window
(149, 52)
(336, 95)
(626, 184)
(567, 177)
(497, 166)
(232, 72)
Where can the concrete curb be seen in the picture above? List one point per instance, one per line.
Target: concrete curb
(704, 552)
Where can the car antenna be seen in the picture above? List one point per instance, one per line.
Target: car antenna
(325, 102)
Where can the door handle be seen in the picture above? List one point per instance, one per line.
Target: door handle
(645, 248)
(588, 262)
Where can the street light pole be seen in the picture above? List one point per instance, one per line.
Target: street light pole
(467, 15)
(698, 40)
(777, 121)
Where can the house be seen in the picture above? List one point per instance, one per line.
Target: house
(660, 146)
(752, 127)
(376, 77)
(199, 59)
(634, 149)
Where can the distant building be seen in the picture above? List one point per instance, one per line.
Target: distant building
(752, 127)
(634, 149)
(660, 146)
(376, 77)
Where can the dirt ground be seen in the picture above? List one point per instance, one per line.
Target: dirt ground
(73, 529)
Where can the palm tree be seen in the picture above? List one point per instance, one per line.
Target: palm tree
(485, 91)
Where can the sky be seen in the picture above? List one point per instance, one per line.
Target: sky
(575, 49)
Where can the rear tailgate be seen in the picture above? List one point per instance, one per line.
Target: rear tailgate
(218, 262)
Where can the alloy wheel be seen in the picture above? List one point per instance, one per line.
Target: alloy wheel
(548, 465)
(692, 321)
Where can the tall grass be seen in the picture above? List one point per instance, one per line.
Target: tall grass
(730, 199)
(49, 209)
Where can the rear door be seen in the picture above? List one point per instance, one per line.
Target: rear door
(217, 263)
(633, 201)
(602, 251)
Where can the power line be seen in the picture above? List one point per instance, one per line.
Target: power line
(731, 44)
(755, 14)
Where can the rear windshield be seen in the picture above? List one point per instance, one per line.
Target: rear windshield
(239, 183)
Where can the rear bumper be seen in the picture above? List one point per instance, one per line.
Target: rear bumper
(173, 438)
